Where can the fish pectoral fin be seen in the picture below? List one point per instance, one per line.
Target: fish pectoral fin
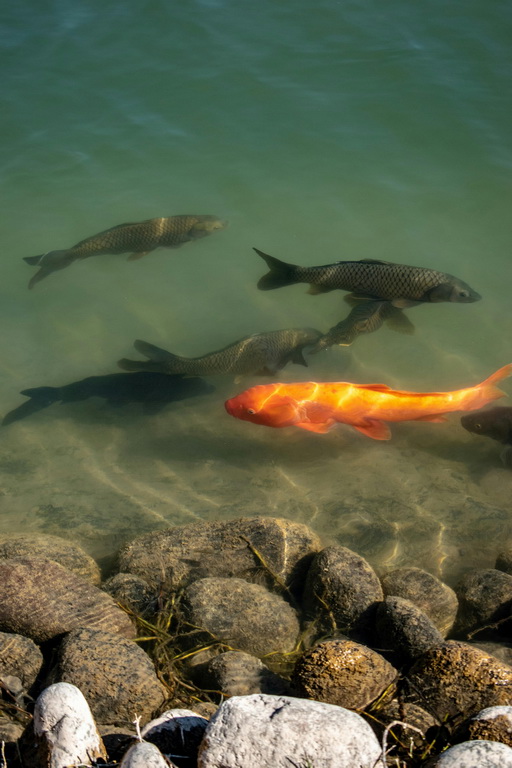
(404, 303)
(355, 298)
(314, 290)
(135, 256)
(375, 429)
(397, 321)
(320, 427)
(297, 357)
(436, 418)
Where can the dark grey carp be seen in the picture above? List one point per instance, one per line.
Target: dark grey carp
(495, 423)
(139, 238)
(365, 317)
(261, 354)
(401, 284)
(154, 390)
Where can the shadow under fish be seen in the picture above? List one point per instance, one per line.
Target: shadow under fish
(367, 316)
(154, 390)
(495, 423)
(139, 238)
(261, 354)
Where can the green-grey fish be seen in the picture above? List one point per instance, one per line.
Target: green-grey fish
(365, 317)
(261, 354)
(401, 284)
(495, 423)
(139, 238)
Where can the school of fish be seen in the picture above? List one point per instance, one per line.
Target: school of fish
(377, 291)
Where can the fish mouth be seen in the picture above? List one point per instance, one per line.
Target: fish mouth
(230, 407)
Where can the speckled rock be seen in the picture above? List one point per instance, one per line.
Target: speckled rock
(239, 674)
(344, 673)
(55, 548)
(412, 714)
(10, 731)
(177, 732)
(426, 591)
(145, 755)
(501, 651)
(259, 730)
(457, 680)
(342, 587)
(492, 724)
(474, 754)
(64, 728)
(485, 596)
(231, 548)
(41, 599)
(115, 675)
(20, 657)
(242, 615)
(405, 629)
(133, 592)
(504, 559)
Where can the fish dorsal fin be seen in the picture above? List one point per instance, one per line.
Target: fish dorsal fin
(375, 429)
(374, 261)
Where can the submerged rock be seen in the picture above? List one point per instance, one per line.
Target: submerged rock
(131, 591)
(117, 677)
(485, 596)
(492, 724)
(259, 730)
(55, 548)
(235, 673)
(19, 657)
(457, 680)
(405, 629)
(41, 599)
(271, 551)
(425, 591)
(344, 673)
(242, 615)
(341, 587)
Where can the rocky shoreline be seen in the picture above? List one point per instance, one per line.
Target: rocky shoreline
(252, 645)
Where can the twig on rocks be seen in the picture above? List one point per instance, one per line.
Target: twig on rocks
(387, 731)
(136, 723)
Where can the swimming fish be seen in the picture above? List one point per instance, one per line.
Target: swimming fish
(366, 407)
(261, 353)
(403, 285)
(153, 389)
(140, 238)
(366, 317)
(495, 423)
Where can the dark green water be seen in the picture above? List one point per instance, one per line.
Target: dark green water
(335, 131)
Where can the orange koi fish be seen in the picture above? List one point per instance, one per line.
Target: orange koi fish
(317, 407)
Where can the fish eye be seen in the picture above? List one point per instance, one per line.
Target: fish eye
(463, 294)
(251, 411)
(477, 425)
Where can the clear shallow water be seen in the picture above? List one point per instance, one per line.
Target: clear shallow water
(342, 131)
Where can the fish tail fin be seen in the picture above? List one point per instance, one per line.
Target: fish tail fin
(46, 395)
(46, 259)
(487, 391)
(33, 260)
(158, 362)
(139, 365)
(281, 273)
